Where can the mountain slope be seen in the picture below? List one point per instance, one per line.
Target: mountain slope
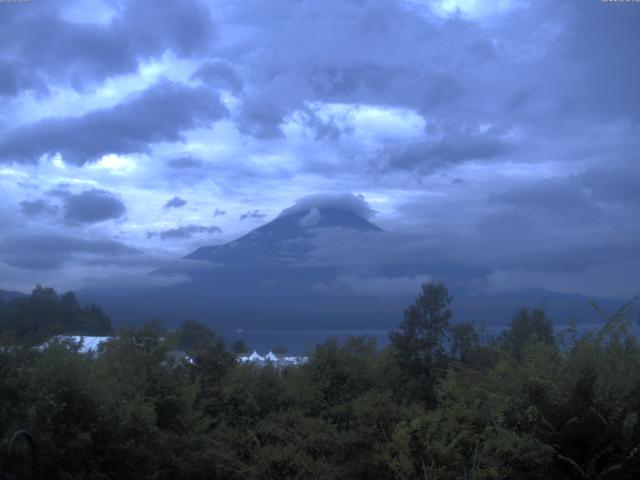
(282, 240)
(263, 280)
(6, 295)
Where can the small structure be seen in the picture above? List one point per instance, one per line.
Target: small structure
(87, 344)
(95, 346)
(255, 357)
(295, 360)
(92, 345)
(272, 359)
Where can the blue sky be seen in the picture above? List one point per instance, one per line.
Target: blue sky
(498, 135)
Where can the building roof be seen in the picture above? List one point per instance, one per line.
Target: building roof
(272, 357)
(255, 357)
(87, 343)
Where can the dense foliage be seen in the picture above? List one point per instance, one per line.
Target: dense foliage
(439, 403)
(36, 318)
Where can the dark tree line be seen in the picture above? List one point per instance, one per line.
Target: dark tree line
(440, 402)
(37, 317)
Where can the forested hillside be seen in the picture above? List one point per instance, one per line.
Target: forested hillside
(35, 318)
(441, 402)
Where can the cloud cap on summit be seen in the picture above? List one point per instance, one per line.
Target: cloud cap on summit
(339, 201)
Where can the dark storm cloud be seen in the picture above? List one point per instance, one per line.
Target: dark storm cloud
(599, 194)
(511, 240)
(161, 113)
(8, 80)
(373, 53)
(450, 150)
(547, 89)
(183, 232)
(619, 184)
(561, 198)
(482, 51)
(261, 119)
(51, 251)
(441, 90)
(373, 285)
(563, 224)
(571, 258)
(323, 129)
(185, 163)
(92, 206)
(345, 81)
(453, 70)
(602, 40)
(519, 99)
(218, 74)
(175, 202)
(507, 224)
(252, 214)
(397, 257)
(46, 48)
(37, 207)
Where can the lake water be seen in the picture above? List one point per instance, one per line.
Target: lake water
(297, 342)
(303, 341)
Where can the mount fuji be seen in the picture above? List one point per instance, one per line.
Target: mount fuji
(284, 239)
(321, 264)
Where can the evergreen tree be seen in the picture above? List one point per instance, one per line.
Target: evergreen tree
(419, 341)
(527, 328)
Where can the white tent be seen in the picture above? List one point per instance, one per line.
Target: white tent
(255, 357)
(271, 357)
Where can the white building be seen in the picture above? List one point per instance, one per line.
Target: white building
(272, 359)
(95, 345)
(87, 344)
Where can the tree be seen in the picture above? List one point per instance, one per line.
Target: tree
(43, 314)
(527, 328)
(280, 350)
(339, 373)
(193, 336)
(418, 342)
(239, 347)
(464, 341)
(425, 322)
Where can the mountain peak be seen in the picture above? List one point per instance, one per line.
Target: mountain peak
(292, 227)
(347, 202)
(295, 222)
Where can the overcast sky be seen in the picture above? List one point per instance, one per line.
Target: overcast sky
(503, 135)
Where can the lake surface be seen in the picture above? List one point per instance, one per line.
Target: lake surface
(299, 342)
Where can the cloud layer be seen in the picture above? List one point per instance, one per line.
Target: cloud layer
(345, 201)
(159, 114)
(499, 138)
(92, 206)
